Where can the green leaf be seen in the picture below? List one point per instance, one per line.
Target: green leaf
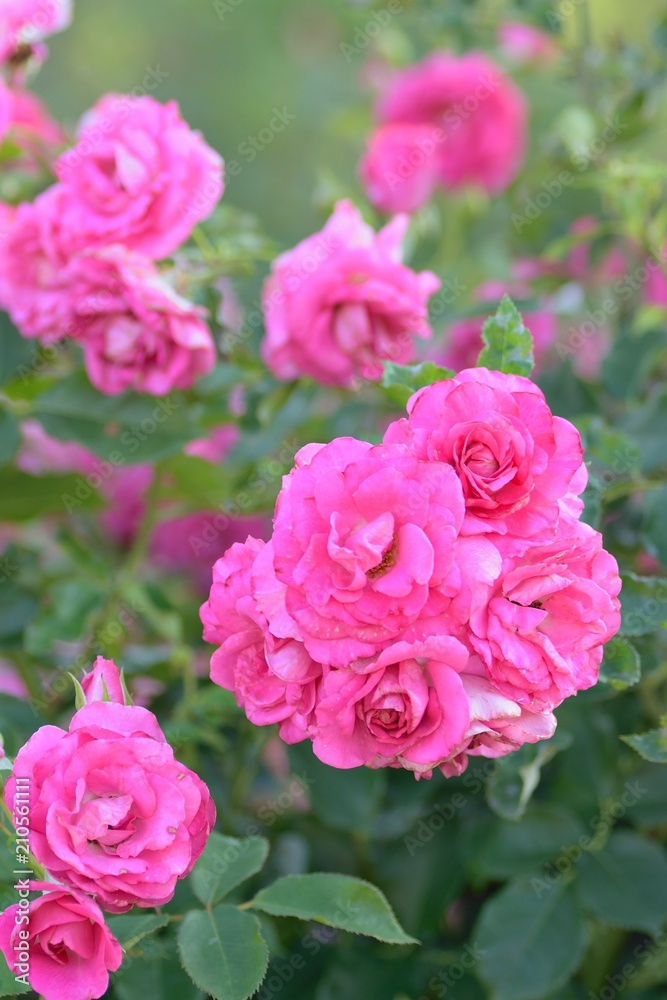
(23, 497)
(643, 604)
(401, 381)
(223, 952)
(16, 350)
(342, 800)
(654, 530)
(530, 942)
(8, 985)
(625, 883)
(226, 863)
(509, 344)
(335, 900)
(651, 745)
(511, 786)
(10, 436)
(121, 429)
(621, 666)
(129, 929)
(153, 970)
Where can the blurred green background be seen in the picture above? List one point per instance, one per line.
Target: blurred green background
(231, 62)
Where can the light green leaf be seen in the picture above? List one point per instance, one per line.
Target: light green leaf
(509, 344)
(335, 900)
(625, 883)
(223, 952)
(226, 863)
(129, 929)
(401, 381)
(530, 942)
(23, 496)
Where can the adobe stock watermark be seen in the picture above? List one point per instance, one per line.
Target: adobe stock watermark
(364, 35)
(20, 818)
(601, 825)
(552, 189)
(616, 982)
(428, 145)
(440, 985)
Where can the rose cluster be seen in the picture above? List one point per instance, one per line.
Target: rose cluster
(429, 598)
(80, 261)
(115, 818)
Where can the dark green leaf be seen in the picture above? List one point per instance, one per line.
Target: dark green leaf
(530, 942)
(15, 350)
(625, 883)
(129, 929)
(621, 666)
(511, 786)
(10, 436)
(643, 604)
(225, 863)
(334, 900)
(509, 344)
(652, 745)
(23, 496)
(223, 952)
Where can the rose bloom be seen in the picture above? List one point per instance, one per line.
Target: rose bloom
(523, 43)
(463, 339)
(341, 302)
(364, 544)
(70, 950)
(513, 457)
(111, 811)
(479, 117)
(541, 636)
(35, 286)
(399, 171)
(138, 175)
(33, 130)
(135, 331)
(25, 22)
(273, 679)
(407, 707)
(498, 725)
(104, 683)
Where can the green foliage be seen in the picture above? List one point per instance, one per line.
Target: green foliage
(226, 863)
(508, 342)
(223, 952)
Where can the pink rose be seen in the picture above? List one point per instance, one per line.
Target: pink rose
(68, 952)
(522, 43)
(464, 342)
(11, 681)
(273, 679)
(498, 726)
(341, 302)
(514, 459)
(216, 446)
(406, 708)
(25, 22)
(35, 286)
(135, 331)
(104, 683)
(399, 171)
(478, 115)
(364, 545)
(111, 811)
(33, 130)
(542, 634)
(40, 453)
(139, 176)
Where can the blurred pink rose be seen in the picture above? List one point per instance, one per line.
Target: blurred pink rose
(399, 171)
(40, 453)
(513, 458)
(138, 175)
(25, 22)
(522, 43)
(341, 302)
(463, 338)
(32, 129)
(112, 812)
(35, 279)
(135, 331)
(542, 634)
(65, 948)
(478, 118)
(11, 681)
(407, 708)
